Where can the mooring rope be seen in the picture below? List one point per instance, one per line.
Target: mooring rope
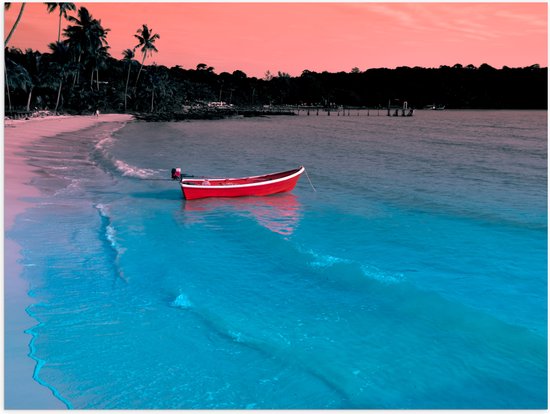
(310, 183)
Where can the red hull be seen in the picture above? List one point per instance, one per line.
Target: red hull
(260, 185)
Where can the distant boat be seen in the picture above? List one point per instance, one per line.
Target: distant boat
(437, 108)
(258, 185)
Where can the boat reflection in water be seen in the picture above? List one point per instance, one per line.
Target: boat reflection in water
(279, 213)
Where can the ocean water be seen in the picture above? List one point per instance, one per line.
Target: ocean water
(411, 273)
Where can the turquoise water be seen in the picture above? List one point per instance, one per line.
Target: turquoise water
(415, 276)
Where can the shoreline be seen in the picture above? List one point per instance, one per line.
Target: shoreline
(21, 390)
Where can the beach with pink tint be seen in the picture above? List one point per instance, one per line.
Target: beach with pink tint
(21, 390)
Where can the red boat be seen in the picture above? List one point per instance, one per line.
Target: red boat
(259, 185)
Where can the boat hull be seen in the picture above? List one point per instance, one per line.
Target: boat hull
(261, 185)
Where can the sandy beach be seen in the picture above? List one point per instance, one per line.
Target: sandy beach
(21, 390)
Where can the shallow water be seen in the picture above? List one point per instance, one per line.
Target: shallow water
(415, 276)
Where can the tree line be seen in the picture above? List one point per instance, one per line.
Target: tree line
(78, 74)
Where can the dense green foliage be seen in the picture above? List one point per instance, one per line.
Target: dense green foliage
(79, 75)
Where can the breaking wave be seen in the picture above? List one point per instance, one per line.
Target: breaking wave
(325, 260)
(110, 236)
(133, 171)
(369, 271)
(105, 159)
(182, 302)
(374, 272)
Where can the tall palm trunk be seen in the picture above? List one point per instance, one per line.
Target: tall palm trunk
(29, 99)
(58, 94)
(59, 30)
(140, 68)
(152, 99)
(15, 24)
(127, 81)
(77, 74)
(8, 89)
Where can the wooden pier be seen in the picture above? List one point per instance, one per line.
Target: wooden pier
(393, 110)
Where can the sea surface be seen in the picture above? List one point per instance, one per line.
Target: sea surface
(407, 269)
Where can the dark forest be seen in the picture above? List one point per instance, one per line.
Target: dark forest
(37, 80)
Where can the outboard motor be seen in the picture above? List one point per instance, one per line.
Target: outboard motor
(176, 173)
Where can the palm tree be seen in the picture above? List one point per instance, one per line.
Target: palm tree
(146, 43)
(77, 37)
(99, 50)
(33, 66)
(128, 56)
(61, 57)
(98, 59)
(87, 39)
(19, 77)
(63, 9)
(6, 7)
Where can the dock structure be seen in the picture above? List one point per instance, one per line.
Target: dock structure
(392, 110)
(404, 110)
(330, 110)
(204, 112)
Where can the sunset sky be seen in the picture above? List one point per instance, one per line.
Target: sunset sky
(292, 37)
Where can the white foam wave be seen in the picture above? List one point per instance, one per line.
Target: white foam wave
(373, 272)
(110, 232)
(237, 336)
(111, 236)
(103, 210)
(72, 188)
(102, 150)
(102, 143)
(182, 302)
(370, 271)
(132, 171)
(326, 260)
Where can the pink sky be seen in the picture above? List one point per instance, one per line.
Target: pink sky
(292, 37)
